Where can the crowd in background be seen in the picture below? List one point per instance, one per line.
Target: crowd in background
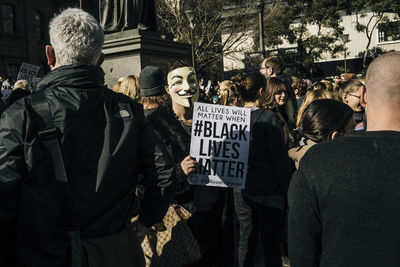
(125, 152)
(308, 113)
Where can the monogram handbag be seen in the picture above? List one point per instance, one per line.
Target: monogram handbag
(171, 242)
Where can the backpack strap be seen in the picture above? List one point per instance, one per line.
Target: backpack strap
(48, 136)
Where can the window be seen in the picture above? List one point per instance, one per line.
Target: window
(38, 25)
(7, 19)
(389, 31)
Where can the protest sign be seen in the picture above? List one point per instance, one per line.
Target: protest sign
(220, 144)
(28, 72)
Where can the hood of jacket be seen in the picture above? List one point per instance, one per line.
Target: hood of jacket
(74, 76)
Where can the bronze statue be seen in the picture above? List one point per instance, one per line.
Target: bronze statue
(120, 15)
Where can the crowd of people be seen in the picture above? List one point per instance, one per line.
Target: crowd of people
(79, 160)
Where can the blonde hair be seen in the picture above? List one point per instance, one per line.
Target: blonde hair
(21, 84)
(310, 97)
(328, 85)
(129, 86)
(224, 93)
(116, 86)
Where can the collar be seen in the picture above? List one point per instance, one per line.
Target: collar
(74, 76)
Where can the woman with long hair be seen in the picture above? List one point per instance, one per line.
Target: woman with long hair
(260, 206)
(277, 100)
(322, 120)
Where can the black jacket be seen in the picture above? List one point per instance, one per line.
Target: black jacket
(17, 94)
(177, 137)
(269, 169)
(105, 143)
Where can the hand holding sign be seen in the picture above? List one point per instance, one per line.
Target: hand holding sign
(189, 165)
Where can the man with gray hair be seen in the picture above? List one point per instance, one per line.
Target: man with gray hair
(104, 143)
(343, 199)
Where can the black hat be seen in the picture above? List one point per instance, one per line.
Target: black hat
(152, 81)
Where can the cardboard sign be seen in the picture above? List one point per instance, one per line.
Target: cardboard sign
(28, 72)
(220, 144)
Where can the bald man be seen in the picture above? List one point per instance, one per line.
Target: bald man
(344, 199)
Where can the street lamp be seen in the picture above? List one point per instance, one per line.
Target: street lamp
(190, 16)
(345, 39)
(260, 6)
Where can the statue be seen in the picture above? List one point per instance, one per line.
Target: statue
(120, 15)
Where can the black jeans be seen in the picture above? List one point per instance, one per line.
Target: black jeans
(257, 219)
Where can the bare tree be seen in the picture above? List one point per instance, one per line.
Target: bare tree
(378, 11)
(211, 19)
(369, 28)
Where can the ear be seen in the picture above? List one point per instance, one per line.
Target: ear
(363, 98)
(345, 98)
(270, 71)
(335, 134)
(167, 89)
(51, 56)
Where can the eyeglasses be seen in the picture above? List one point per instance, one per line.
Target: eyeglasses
(359, 97)
(281, 92)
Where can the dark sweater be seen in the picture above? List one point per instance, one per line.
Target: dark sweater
(343, 203)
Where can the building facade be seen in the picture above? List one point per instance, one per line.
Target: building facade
(384, 37)
(24, 34)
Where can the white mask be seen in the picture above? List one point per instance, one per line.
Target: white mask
(183, 86)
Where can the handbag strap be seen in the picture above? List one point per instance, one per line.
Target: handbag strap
(48, 136)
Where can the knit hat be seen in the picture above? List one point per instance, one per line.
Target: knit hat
(152, 81)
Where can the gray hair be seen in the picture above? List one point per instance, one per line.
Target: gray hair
(76, 36)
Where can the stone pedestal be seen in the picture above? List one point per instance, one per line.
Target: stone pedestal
(128, 52)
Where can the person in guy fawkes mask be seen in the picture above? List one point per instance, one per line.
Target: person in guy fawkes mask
(173, 121)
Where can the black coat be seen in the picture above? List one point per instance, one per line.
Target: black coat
(17, 94)
(177, 137)
(105, 142)
(269, 170)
